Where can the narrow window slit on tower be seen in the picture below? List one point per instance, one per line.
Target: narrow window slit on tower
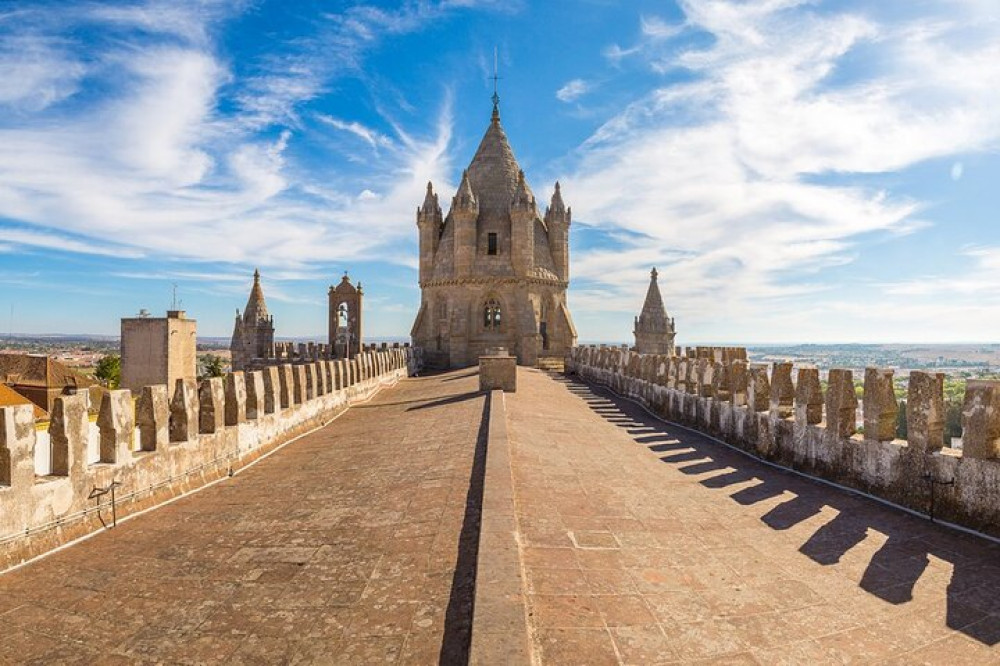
(491, 243)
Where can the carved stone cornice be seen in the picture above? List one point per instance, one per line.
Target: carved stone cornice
(489, 280)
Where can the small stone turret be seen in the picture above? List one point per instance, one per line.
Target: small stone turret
(522, 227)
(464, 211)
(558, 219)
(253, 333)
(654, 330)
(429, 223)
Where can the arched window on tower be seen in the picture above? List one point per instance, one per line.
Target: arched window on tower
(491, 315)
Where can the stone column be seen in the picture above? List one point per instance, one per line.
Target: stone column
(184, 411)
(152, 416)
(236, 398)
(981, 420)
(758, 388)
(808, 397)
(880, 406)
(925, 411)
(116, 423)
(212, 409)
(69, 434)
(782, 391)
(841, 404)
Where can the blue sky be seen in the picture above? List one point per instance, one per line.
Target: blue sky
(797, 170)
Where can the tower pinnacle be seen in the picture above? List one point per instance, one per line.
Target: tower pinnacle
(496, 95)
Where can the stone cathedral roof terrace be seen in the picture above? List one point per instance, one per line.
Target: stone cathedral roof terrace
(372, 540)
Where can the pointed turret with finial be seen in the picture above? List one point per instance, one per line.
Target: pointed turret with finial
(654, 330)
(430, 224)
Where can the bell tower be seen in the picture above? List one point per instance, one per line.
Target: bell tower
(345, 318)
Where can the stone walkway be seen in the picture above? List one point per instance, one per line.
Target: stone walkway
(643, 543)
(351, 545)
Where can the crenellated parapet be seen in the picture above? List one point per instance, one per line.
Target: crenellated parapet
(166, 441)
(800, 419)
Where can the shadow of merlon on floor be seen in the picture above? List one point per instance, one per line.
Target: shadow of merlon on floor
(972, 600)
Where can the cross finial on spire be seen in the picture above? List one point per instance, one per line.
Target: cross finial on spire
(496, 78)
(653, 273)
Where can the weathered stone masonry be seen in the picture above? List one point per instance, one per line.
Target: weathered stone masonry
(165, 445)
(795, 425)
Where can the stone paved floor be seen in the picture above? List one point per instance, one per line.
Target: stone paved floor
(340, 548)
(644, 543)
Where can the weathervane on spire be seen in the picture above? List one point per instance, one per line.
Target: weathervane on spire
(496, 78)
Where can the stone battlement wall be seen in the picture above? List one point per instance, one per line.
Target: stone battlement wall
(310, 352)
(782, 414)
(159, 445)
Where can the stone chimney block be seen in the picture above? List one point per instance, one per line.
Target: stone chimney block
(981, 420)
(212, 401)
(319, 376)
(841, 404)
(116, 423)
(298, 384)
(69, 434)
(925, 411)
(184, 411)
(759, 388)
(738, 383)
(782, 391)
(309, 383)
(808, 397)
(272, 389)
(256, 407)
(17, 446)
(285, 385)
(706, 377)
(152, 416)
(236, 398)
(879, 405)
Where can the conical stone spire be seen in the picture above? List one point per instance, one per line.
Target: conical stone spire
(256, 309)
(654, 314)
(654, 330)
(493, 172)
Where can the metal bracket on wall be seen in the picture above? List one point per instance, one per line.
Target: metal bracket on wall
(97, 494)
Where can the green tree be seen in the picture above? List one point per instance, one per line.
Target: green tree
(109, 371)
(212, 366)
(901, 431)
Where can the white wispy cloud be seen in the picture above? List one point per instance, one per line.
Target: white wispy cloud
(366, 134)
(720, 179)
(573, 90)
(155, 165)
